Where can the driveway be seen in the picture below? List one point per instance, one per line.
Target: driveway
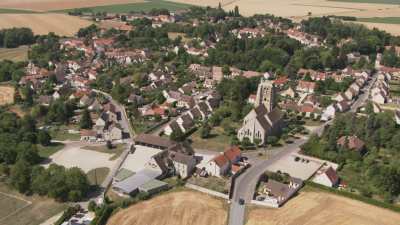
(73, 156)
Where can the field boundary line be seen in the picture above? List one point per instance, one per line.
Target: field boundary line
(28, 203)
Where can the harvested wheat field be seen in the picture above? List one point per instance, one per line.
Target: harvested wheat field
(176, 208)
(51, 5)
(60, 24)
(321, 208)
(6, 94)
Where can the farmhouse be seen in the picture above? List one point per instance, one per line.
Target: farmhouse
(327, 177)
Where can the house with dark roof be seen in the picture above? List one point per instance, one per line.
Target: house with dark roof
(327, 177)
(259, 124)
(184, 164)
(153, 141)
(276, 193)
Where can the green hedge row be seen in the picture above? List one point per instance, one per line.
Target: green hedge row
(354, 196)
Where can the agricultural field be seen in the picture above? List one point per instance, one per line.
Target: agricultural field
(17, 209)
(175, 208)
(14, 54)
(60, 24)
(314, 207)
(52, 5)
(138, 6)
(6, 94)
(370, 1)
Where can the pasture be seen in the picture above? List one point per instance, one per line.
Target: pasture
(175, 208)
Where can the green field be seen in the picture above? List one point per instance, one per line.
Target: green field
(15, 11)
(392, 2)
(135, 7)
(389, 20)
(17, 209)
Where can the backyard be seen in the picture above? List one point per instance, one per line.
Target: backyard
(217, 140)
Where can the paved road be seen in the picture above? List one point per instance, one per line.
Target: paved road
(362, 98)
(246, 183)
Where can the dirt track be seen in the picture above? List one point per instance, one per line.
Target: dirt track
(177, 208)
(321, 208)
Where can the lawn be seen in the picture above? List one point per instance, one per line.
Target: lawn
(393, 2)
(213, 183)
(117, 150)
(61, 134)
(98, 175)
(395, 89)
(17, 209)
(14, 54)
(218, 140)
(136, 7)
(389, 20)
(47, 151)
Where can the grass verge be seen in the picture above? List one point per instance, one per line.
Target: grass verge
(98, 175)
(116, 150)
(46, 151)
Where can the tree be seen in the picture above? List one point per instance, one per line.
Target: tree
(205, 131)
(44, 138)
(272, 140)
(236, 11)
(21, 176)
(86, 121)
(177, 135)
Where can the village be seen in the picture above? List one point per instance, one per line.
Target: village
(157, 106)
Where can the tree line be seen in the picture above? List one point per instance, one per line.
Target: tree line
(14, 37)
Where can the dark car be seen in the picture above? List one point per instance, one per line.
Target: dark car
(241, 201)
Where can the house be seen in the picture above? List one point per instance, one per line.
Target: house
(397, 117)
(343, 106)
(352, 143)
(259, 124)
(218, 166)
(328, 113)
(153, 141)
(185, 123)
(306, 86)
(217, 74)
(327, 177)
(341, 97)
(276, 193)
(252, 99)
(85, 101)
(288, 93)
(184, 164)
(233, 154)
(137, 99)
(379, 98)
(45, 100)
(88, 135)
(114, 133)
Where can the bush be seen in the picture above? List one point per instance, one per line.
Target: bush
(67, 214)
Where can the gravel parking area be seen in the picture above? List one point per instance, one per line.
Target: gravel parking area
(73, 156)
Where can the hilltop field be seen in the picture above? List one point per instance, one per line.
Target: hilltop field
(300, 9)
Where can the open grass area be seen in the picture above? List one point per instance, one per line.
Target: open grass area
(218, 140)
(136, 7)
(14, 54)
(389, 20)
(46, 151)
(98, 175)
(213, 183)
(392, 2)
(15, 11)
(60, 133)
(117, 150)
(17, 209)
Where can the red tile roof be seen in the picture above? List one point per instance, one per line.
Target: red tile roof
(332, 175)
(232, 153)
(220, 160)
